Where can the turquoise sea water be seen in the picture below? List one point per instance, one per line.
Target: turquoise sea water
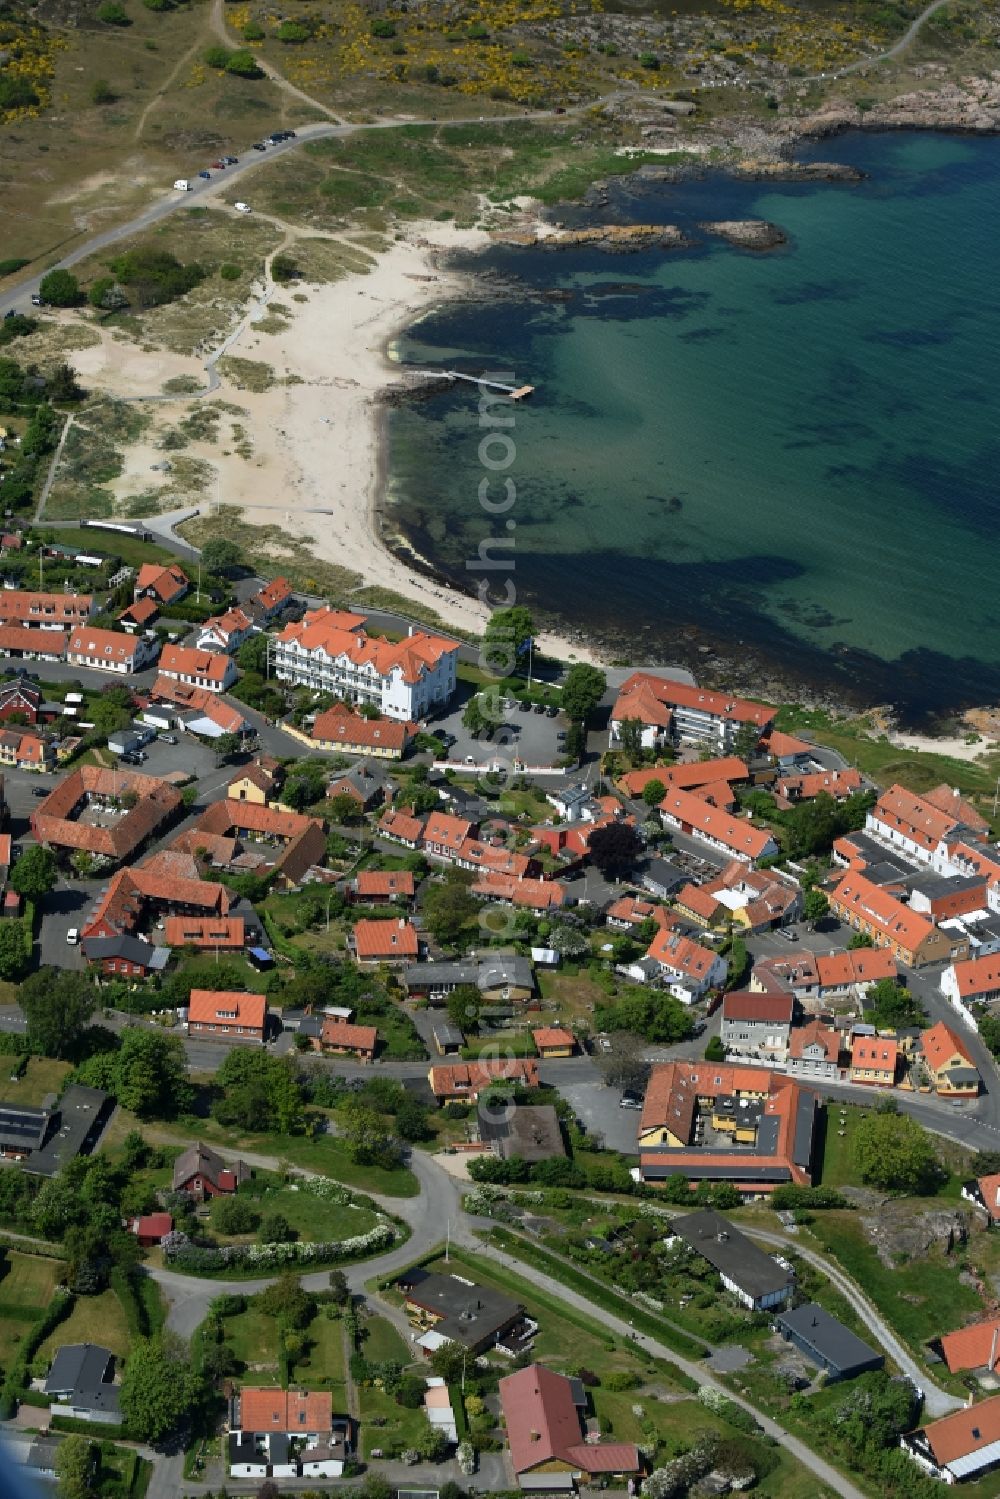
(795, 455)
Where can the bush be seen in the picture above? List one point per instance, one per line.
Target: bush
(101, 91)
(253, 31)
(383, 29)
(228, 272)
(60, 289)
(113, 14)
(243, 64)
(292, 32)
(217, 57)
(234, 1215)
(17, 93)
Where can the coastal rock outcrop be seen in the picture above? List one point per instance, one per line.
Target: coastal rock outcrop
(609, 236)
(747, 234)
(798, 171)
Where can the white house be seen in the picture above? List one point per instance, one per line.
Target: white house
(225, 632)
(212, 670)
(330, 652)
(108, 650)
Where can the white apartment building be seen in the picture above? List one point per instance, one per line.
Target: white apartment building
(329, 651)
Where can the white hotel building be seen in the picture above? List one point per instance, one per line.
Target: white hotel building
(330, 652)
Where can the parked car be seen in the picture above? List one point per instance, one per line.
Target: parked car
(259, 146)
(169, 738)
(230, 161)
(207, 176)
(242, 207)
(787, 933)
(73, 936)
(552, 711)
(39, 791)
(538, 708)
(37, 300)
(217, 166)
(630, 1100)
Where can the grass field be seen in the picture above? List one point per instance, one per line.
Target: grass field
(383, 1343)
(253, 1338)
(94, 1319)
(28, 1284)
(324, 1364)
(573, 994)
(311, 1217)
(42, 1078)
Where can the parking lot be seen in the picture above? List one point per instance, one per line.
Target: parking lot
(597, 1107)
(532, 737)
(188, 755)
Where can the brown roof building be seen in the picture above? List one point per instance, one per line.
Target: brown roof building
(89, 810)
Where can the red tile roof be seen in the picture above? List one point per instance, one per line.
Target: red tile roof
(536, 895)
(735, 833)
(975, 1347)
(914, 816)
(168, 878)
(446, 831)
(949, 800)
(205, 931)
(554, 1036)
(154, 1225)
(837, 783)
(109, 645)
(543, 1423)
(374, 940)
(681, 954)
(940, 1044)
(337, 1032)
(815, 1033)
(858, 965)
(744, 1004)
(38, 642)
(228, 816)
(857, 896)
(208, 666)
(330, 631)
(22, 607)
(292, 1411)
(467, 1079)
(670, 694)
(274, 594)
(965, 1432)
(401, 824)
(227, 1007)
(167, 583)
(341, 726)
(989, 1186)
(978, 976)
(56, 820)
(142, 612)
(874, 1054)
(380, 882)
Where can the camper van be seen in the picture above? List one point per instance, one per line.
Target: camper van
(182, 185)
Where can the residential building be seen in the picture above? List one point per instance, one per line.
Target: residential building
(735, 836)
(279, 1433)
(687, 777)
(341, 1038)
(553, 1041)
(19, 698)
(44, 611)
(33, 644)
(757, 1025)
(23, 1128)
(853, 971)
(756, 1279)
(464, 1080)
(688, 969)
(814, 1052)
(211, 670)
(922, 827)
(874, 1060)
(545, 1417)
(257, 782)
(973, 1349)
(351, 733)
(674, 710)
(788, 752)
(943, 897)
(401, 826)
(949, 1063)
(225, 632)
(200, 711)
(165, 584)
(531, 1132)
(392, 942)
(364, 784)
(60, 821)
(827, 1343)
(77, 1124)
(746, 900)
(166, 883)
(152, 1228)
(712, 1121)
(380, 887)
(661, 878)
(452, 1309)
(125, 956)
(26, 750)
(984, 1193)
(973, 980)
(501, 978)
(912, 939)
(269, 601)
(299, 842)
(963, 1445)
(110, 650)
(202, 1173)
(223, 933)
(629, 911)
(330, 652)
(139, 617)
(516, 890)
(81, 1383)
(227, 1015)
(799, 787)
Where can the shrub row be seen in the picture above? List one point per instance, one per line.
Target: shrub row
(18, 1377)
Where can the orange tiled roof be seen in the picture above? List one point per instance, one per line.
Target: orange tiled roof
(227, 1007)
(205, 931)
(42, 642)
(975, 1347)
(673, 694)
(401, 823)
(392, 938)
(21, 606)
(978, 976)
(816, 1033)
(329, 631)
(186, 661)
(874, 1053)
(225, 816)
(735, 833)
(341, 726)
(965, 1432)
(681, 954)
(940, 1044)
(337, 1032)
(167, 583)
(377, 882)
(274, 593)
(109, 645)
(914, 816)
(553, 1036)
(837, 783)
(53, 821)
(859, 897)
(858, 965)
(446, 831)
(469, 1078)
(293, 1411)
(539, 895)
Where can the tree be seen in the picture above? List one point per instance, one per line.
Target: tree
(13, 950)
(60, 289)
(449, 1361)
(625, 1066)
(894, 1154)
(159, 1387)
(746, 740)
(860, 939)
(106, 295)
(220, 555)
(226, 746)
(411, 1120)
(371, 1141)
(569, 941)
(630, 738)
(113, 14)
(258, 1092)
(505, 639)
(76, 1465)
(615, 847)
(463, 1005)
(286, 1300)
(101, 92)
(276, 1229)
(243, 64)
(252, 654)
(57, 1005)
(654, 1016)
(582, 690)
(340, 1291)
(890, 1005)
(148, 1074)
(815, 905)
(739, 963)
(715, 1051)
(653, 793)
(234, 1215)
(450, 906)
(35, 872)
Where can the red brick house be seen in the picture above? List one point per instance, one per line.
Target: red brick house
(202, 1173)
(227, 1015)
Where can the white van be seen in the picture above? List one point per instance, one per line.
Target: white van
(73, 936)
(182, 185)
(242, 207)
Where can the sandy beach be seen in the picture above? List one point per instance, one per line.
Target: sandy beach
(312, 459)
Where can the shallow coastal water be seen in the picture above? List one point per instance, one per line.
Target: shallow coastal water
(794, 454)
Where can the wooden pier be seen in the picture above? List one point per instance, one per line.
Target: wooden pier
(516, 392)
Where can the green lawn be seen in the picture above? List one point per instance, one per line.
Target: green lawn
(383, 1343)
(42, 1077)
(253, 1337)
(129, 548)
(94, 1319)
(573, 994)
(311, 1217)
(27, 1283)
(324, 1364)
(919, 1300)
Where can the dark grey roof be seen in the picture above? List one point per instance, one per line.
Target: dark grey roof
(732, 1253)
(933, 885)
(278, 1446)
(446, 1034)
(243, 1447)
(417, 975)
(733, 1171)
(504, 968)
(133, 949)
(78, 1366)
(960, 1076)
(530, 1131)
(805, 1130)
(508, 968)
(833, 1344)
(877, 853)
(78, 1122)
(21, 1127)
(202, 1160)
(662, 873)
(468, 1314)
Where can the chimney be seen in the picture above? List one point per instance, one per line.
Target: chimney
(993, 1348)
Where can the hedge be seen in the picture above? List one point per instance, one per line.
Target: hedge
(263, 1259)
(86, 1428)
(140, 1301)
(18, 1378)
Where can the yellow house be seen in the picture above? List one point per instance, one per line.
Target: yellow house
(254, 784)
(954, 1073)
(553, 1041)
